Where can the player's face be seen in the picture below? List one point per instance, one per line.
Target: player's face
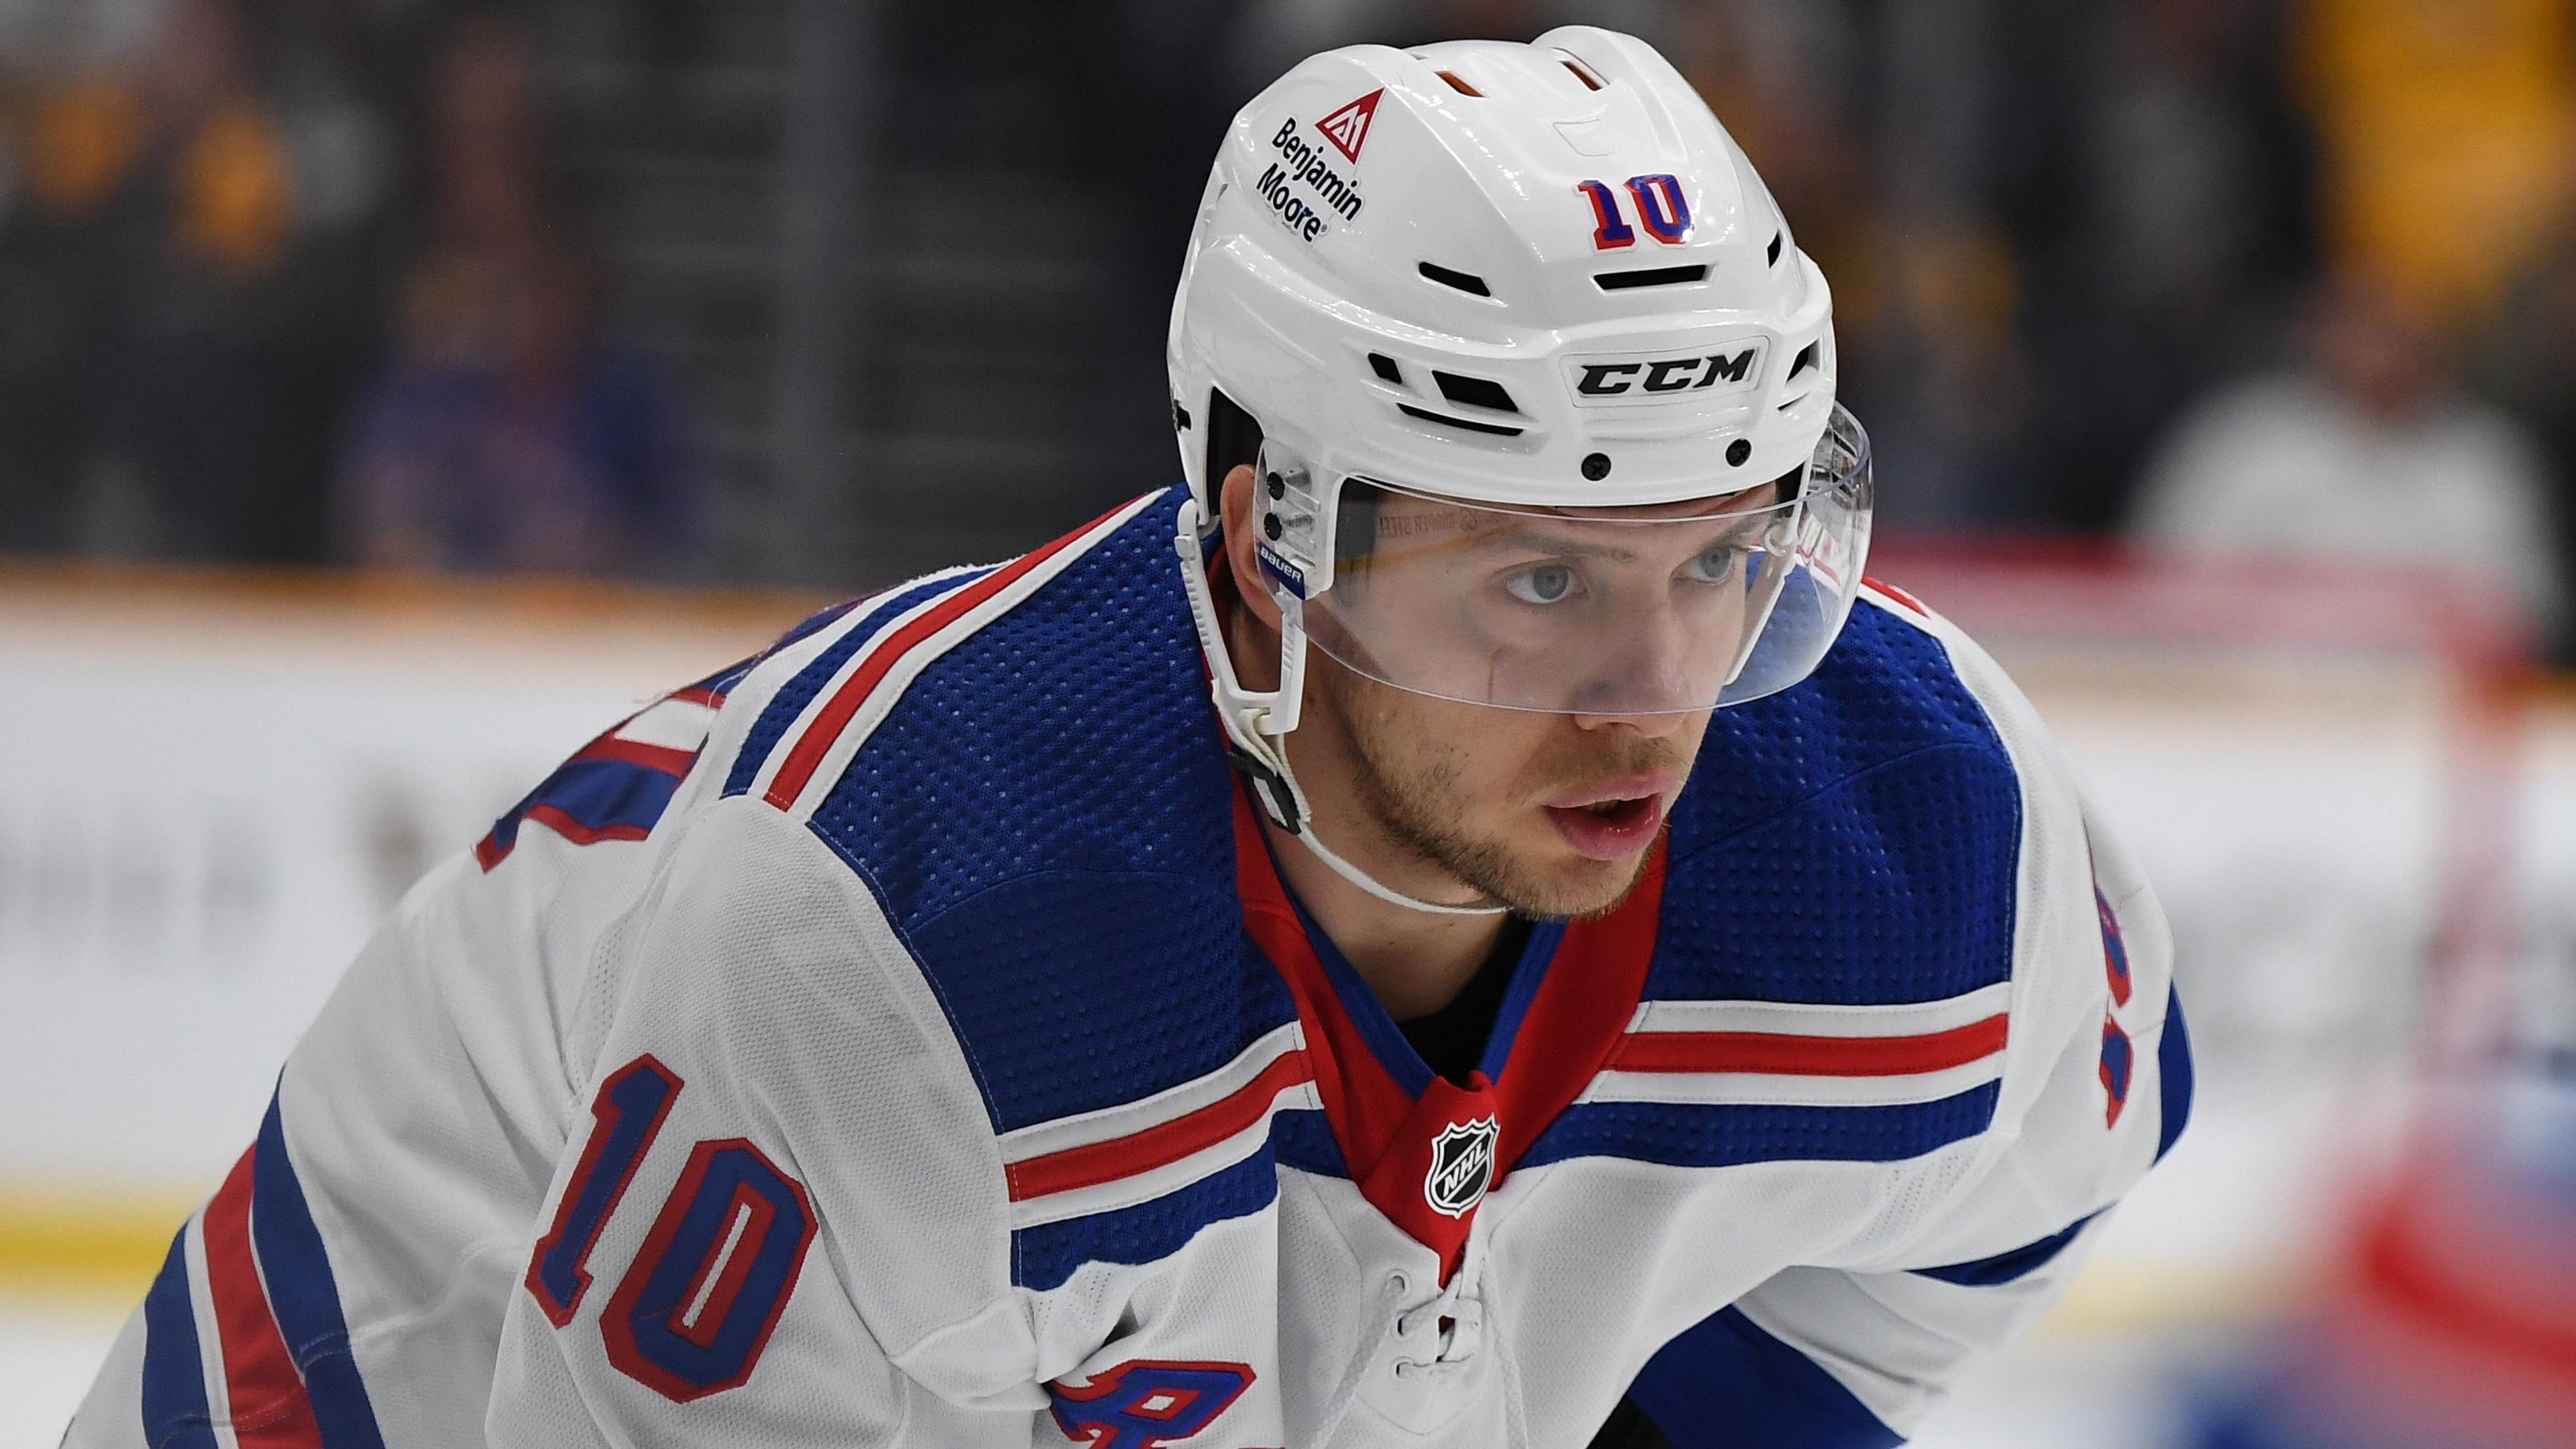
(1550, 814)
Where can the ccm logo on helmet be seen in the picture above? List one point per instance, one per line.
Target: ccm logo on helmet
(1649, 377)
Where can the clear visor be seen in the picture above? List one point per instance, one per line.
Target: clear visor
(1646, 610)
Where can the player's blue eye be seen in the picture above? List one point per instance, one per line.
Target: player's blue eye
(1542, 584)
(1715, 565)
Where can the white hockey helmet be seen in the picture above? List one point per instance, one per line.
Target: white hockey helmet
(1497, 313)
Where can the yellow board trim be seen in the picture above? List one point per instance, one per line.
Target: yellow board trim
(85, 1246)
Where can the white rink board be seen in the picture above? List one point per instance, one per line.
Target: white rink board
(205, 811)
(206, 807)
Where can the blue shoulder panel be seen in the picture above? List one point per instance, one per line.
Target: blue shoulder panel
(799, 691)
(1852, 841)
(1046, 817)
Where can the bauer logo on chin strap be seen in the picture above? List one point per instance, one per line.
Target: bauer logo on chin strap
(1462, 1166)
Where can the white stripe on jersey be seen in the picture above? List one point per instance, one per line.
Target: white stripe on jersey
(1138, 1151)
(210, 1334)
(822, 640)
(1792, 1018)
(1833, 1038)
(1764, 1088)
(1129, 1118)
(670, 724)
(1145, 1186)
(918, 657)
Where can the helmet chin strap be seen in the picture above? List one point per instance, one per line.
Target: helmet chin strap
(1257, 722)
(1386, 893)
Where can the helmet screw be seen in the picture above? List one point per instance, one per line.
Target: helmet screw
(1270, 526)
(1596, 466)
(1737, 452)
(1278, 486)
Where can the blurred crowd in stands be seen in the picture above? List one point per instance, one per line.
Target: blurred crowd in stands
(303, 280)
(288, 283)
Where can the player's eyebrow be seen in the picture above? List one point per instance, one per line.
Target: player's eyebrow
(1590, 543)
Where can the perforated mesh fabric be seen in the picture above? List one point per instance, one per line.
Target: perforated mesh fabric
(1046, 817)
(1692, 1135)
(1076, 990)
(796, 693)
(1850, 841)
(1304, 1140)
(1909, 1197)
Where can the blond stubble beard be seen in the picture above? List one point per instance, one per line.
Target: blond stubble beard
(1416, 806)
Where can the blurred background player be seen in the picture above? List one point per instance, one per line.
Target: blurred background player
(2365, 452)
(2446, 1318)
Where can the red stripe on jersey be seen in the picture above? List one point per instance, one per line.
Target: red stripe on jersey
(1161, 1145)
(1899, 595)
(696, 694)
(1773, 1054)
(817, 740)
(268, 1407)
(669, 761)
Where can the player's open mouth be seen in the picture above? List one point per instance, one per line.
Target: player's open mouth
(1609, 829)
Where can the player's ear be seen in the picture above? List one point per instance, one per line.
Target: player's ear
(1234, 506)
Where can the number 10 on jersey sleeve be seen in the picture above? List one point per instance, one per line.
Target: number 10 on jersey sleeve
(693, 1311)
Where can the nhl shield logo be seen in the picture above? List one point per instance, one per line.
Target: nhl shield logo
(1462, 1166)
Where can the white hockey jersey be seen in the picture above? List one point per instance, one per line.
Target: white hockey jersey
(906, 1040)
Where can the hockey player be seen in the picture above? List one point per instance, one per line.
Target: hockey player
(1600, 974)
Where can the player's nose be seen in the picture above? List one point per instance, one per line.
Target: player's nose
(1654, 725)
(1644, 677)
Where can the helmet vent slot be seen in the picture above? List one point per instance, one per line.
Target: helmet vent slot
(1775, 250)
(1461, 87)
(1467, 282)
(1590, 81)
(1650, 277)
(1806, 359)
(1475, 392)
(1467, 424)
(1384, 366)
